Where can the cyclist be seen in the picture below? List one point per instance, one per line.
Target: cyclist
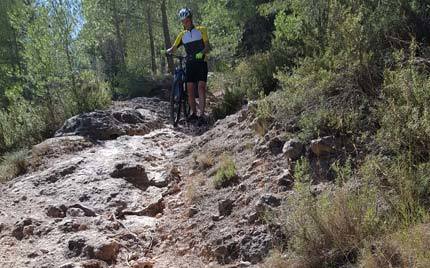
(196, 43)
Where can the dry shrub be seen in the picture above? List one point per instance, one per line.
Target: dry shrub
(277, 260)
(193, 192)
(330, 230)
(13, 165)
(410, 248)
(204, 161)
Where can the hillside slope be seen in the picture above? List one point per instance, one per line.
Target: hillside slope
(121, 185)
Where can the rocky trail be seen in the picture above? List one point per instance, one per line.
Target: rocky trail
(122, 188)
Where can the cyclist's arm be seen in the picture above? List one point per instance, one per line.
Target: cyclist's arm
(176, 44)
(205, 41)
(207, 48)
(171, 50)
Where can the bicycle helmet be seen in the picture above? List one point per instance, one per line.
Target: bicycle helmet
(185, 13)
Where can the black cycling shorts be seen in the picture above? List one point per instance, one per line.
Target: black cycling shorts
(196, 71)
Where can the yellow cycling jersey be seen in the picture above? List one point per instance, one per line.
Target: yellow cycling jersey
(194, 40)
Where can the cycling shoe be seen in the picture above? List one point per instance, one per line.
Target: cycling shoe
(192, 118)
(202, 121)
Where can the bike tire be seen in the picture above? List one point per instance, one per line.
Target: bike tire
(175, 106)
(186, 107)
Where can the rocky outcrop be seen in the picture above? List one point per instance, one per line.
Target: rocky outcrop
(285, 180)
(255, 246)
(293, 149)
(24, 228)
(225, 207)
(107, 125)
(325, 145)
(94, 201)
(56, 211)
(276, 145)
(117, 197)
(106, 251)
(133, 173)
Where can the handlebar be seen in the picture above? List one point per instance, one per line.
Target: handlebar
(176, 56)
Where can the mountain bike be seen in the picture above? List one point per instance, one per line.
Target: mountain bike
(178, 93)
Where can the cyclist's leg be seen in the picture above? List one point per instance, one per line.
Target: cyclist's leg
(202, 97)
(191, 99)
(191, 80)
(202, 79)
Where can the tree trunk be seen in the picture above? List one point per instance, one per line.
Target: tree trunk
(151, 39)
(167, 41)
(78, 98)
(119, 38)
(66, 40)
(17, 57)
(162, 64)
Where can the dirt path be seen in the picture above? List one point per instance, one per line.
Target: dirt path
(96, 203)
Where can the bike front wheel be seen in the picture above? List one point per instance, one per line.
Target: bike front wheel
(185, 107)
(176, 100)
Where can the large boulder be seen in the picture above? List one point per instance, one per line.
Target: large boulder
(133, 173)
(225, 207)
(276, 145)
(293, 149)
(56, 211)
(24, 228)
(285, 180)
(106, 125)
(226, 252)
(100, 248)
(325, 145)
(255, 247)
(78, 246)
(107, 251)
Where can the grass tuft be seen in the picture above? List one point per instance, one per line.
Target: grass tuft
(226, 173)
(13, 164)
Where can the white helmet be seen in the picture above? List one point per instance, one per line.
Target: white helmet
(185, 13)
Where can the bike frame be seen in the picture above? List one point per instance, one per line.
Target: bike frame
(179, 96)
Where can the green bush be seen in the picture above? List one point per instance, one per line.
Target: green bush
(330, 230)
(13, 164)
(255, 75)
(264, 109)
(231, 102)
(22, 124)
(381, 197)
(406, 248)
(348, 82)
(405, 186)
(302, 172)
(404, 112)
(322, 99)
(314, 124)
(95, 94)
(263, 114)
(226, 172)
(232, 96)
(337, 51)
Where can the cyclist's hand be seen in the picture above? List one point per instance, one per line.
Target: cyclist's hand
(166, 52)
(199, 56)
